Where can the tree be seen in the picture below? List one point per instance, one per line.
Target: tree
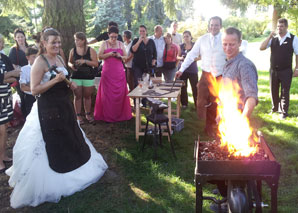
(109, 10)
(279, 6)
(67, 17)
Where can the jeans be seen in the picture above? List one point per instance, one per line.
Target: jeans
(169, 74)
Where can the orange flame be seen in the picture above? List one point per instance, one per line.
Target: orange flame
(234, 128)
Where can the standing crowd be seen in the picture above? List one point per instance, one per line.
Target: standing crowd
(52, 150)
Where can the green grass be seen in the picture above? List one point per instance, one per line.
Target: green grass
(166, 185)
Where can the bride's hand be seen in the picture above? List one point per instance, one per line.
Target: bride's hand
(60, 77)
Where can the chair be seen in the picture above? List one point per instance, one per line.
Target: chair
(157, 118)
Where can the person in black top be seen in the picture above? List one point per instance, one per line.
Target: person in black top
(191, 73)
(105, 36)
(7, 75)
(145, 55)
(82, 59)
(282, 48)
(18, 58)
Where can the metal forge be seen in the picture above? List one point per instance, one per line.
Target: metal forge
(243, 176)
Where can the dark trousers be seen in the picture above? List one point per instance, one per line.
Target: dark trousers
(193, 79)
(28, 102)
(129, 78)
(137, 73)
(281, 79)
(206, 101)
(158, 71)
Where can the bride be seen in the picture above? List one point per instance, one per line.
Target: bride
(52, 156)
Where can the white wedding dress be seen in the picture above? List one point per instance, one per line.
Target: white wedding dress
(34, 182)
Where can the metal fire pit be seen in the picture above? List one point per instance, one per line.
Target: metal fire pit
(253, 172)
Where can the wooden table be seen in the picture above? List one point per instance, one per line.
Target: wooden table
(138, 93)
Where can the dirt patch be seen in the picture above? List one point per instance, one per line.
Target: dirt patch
(104, 137)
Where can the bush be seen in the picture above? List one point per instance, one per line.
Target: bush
(250, 28)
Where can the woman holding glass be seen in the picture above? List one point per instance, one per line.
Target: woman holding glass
(112, 103)
(144, 54)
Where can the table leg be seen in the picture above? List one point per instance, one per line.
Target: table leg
(137, 118)
(178, 105)
(170, 114)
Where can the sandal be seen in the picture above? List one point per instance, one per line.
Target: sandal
(80, 119)
(89, 117)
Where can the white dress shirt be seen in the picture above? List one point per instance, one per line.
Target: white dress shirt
(177, 39)
(127, 49)
(282, 40)
(25, 76)
(213, 58)
(160, 46)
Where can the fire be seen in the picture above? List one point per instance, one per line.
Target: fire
(234, 128)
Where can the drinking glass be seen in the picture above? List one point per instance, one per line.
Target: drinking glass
(140, 83)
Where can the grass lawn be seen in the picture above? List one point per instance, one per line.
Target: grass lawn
(166, 185)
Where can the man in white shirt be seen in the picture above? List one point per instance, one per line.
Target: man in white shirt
(282, 45)
(209, 48)
(25, 79)
(128, 64)
(176, 37)
(160, 46)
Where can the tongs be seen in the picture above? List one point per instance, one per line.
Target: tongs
(173, 84)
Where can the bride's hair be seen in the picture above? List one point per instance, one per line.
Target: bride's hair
(45, 34)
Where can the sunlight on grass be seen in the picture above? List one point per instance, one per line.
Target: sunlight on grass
(124, 154)
(142, 194)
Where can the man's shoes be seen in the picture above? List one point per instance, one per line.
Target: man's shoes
(223, 207)
(272, 112)
(283, 116)
(184, 106)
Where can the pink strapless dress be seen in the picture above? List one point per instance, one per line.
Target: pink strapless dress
(112, 103)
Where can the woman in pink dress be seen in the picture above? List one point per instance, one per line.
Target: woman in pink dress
(112, 103)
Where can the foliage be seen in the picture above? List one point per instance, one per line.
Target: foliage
(250, 27)
(197, 27)
(293, 17)
(178, 9)
(6, 25)
(90, 8)
(281, 7)
(25, 14)
(108, 10)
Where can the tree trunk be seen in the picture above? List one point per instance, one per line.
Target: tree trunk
(275, 16)
(67, 17)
